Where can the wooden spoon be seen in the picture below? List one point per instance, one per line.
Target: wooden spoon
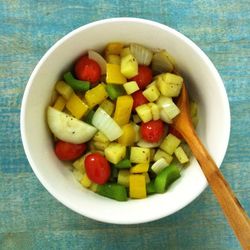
(230, 205)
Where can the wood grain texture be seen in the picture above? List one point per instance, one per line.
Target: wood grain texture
(30, 218)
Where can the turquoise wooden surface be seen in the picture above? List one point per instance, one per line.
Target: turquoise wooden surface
(30, 218)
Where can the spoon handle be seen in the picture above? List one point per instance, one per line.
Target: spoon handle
(232, 208)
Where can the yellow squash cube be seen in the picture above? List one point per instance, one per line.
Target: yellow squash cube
(151, 93)
(155, 111)
(96, 95)
(170, 143)
(108, 106)
(85, 181)
(115, 152)
(114, 75)
(144, 112)
(113, 59)
(123, 109)
(139, 155)
(131, 87)
(161, 154)
(139, 168)
(76, 106)
(100, 137)
(181, 155)
(64, 89)
(128, 136)
(129, 66)
(59, 103)
(137, 186)
(123, 177)
(113, 48)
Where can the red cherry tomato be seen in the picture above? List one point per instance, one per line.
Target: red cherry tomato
(66, 151)
(139, 99)
(87, 70)
(97, 168)
(144, 76)
(173, 131)
(152, 131)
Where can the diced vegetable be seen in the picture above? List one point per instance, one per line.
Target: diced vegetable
(113, 59)
(159, 165)
(76, 106)
(88, 118)
(169, 84)
(136, 119)
(144, 112)
(137, 132)
(125, 51)
(161, 154)
(141, 53)
(151, 188)
(155, 111)
(77, 174)
(108, 106)
(128, 136)
(115, 152)
(74, 83)
(123, 177)
(100, 145)
(170, 143)
(147, 179)
(130, 87)
(59, 103)
(114, 48)
(137, 186)
(114, 75)
(181, 155)
(96, 95)
(113, 190)
(85, 181)
(151, 93)
(166, 177)
(139, 168)
(64, 89)
(99, 59)
(68, 128)
(162, 62)
(123, 109)
(79, 164)
(144, 144)
(100, 137)
(139, 155)
(114, 91)
(167, 105)
(102, 121)
(125, 163)
(129, 66)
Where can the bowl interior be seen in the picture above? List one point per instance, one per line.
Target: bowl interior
(205, 87)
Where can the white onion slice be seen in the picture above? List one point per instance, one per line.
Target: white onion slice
(102, 121)
(99, 59)
(159, 165)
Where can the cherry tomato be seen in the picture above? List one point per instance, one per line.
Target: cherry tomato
(139, 99)
(97, 168)
(144, 76)
(173, 131)
(87, 70)
(152, 131)
(66, 151)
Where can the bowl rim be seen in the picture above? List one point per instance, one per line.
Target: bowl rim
(47, 185)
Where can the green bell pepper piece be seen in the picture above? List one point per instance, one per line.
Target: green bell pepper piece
(89, 117)
(165, 178)
(113, 190)
(114, 91)
(76, 84)
(125, 163)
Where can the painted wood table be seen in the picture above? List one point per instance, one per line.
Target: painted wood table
(30, 218)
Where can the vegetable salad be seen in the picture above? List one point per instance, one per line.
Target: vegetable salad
(111, 118)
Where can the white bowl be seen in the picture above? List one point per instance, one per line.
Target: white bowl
(205, 86)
